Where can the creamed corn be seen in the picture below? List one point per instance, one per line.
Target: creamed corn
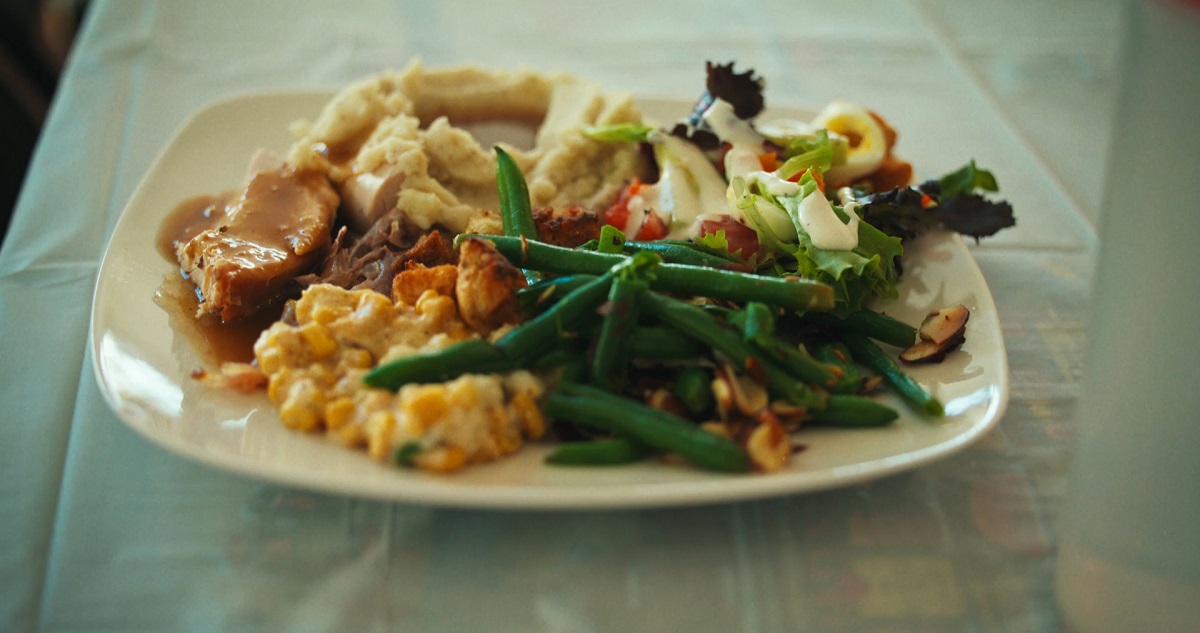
(315, 368)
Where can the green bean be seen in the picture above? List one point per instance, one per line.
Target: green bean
(690, 245)
(800, 364)
(516, 210)
(565, 353)
(575, 369)
(835, 354)
(679, 252)
(612, 240)
(538, 296)
(657, 429)
(791, 293)
(693, 386)
(868, 353)
(612, 351)
(469, 356)
(854, 411)
(757, 323)
(646, 342)
(516, 213)
(657, 343)
(549, 258)
(878, 326)
(606, 452)
(695, 322)
(527, 342)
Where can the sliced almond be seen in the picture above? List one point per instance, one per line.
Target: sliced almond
(738, 392)
(945, 324)
(941, 332)
(929, 351)
(869, 385)
(768, 445)
(790, 415)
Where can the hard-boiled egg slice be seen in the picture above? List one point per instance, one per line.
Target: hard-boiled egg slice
(867, 142)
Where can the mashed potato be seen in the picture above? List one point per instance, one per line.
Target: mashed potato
(397, 140)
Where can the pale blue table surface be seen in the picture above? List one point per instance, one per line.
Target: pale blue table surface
(101, 530)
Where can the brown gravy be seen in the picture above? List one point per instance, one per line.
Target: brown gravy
(188, 219)
(215, 342)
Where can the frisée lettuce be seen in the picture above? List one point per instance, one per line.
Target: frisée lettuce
(822, 199)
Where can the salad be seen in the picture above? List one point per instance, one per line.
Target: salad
(824, 199)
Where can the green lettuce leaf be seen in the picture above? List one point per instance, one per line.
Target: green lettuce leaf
(816, 150)
(857, 276)
(966, 180)
(618, 132)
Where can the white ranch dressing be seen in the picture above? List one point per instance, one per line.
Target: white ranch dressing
(824, 227)
(722, 120)
(745, 146)
(688, 188)
(741, 161)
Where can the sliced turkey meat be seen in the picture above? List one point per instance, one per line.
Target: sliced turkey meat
(275, 228)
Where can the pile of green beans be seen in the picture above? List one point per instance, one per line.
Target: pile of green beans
(594, 311)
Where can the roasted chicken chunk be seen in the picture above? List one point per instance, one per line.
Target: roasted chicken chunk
(569, 227)
(487, 285)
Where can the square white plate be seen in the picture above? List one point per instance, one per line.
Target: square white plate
(143, 366)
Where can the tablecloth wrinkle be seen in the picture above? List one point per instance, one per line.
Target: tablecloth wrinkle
(103, 530)
(38, 304)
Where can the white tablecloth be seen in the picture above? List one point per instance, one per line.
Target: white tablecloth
(102, 530)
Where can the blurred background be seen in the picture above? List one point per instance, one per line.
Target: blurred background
(35, 38)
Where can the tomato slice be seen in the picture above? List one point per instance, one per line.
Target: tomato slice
(738, 236)
(653, 228)
(618, 214)
(817, 176)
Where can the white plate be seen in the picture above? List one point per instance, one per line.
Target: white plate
(143, 366)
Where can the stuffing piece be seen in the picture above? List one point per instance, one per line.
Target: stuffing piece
(414, 280)
(314, 369)
(570, 227)
(487, 286)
